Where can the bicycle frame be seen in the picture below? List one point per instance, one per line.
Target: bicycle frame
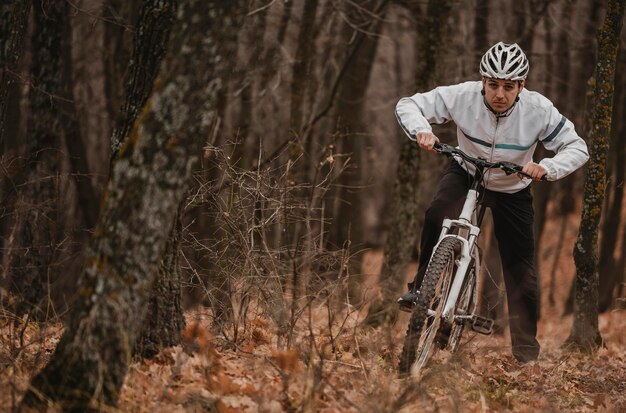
(468, 225)
(468, 252)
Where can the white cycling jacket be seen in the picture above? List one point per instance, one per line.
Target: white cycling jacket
(512, 138)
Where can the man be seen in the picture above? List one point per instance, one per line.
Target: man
(499, 120)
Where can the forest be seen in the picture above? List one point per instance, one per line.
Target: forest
(210, 206)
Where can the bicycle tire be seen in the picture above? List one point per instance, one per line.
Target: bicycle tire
(464, 306)
(422, 331)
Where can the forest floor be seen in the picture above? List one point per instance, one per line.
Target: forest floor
(336, 364)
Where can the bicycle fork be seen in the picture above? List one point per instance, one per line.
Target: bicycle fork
(468, 234)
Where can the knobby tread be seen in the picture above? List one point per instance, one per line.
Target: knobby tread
(469, 286)
(439, 261)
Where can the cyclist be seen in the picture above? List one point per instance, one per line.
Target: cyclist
(499, 120)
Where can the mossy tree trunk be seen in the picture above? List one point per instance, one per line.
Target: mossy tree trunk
(403, 226)
(608, 270)
(585, 334)
(147, 184)
(165, 319)
(152, 32)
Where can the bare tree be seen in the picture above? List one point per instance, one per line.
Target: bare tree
(362, 18)
(165, 321)
(585, 333)
(119, 30)
(13, 21)
(588, 58)
(151, 36)
(147, 183)
(154, 23)
(609, 270)
(542, 190)
(36, 209)
(404, 207)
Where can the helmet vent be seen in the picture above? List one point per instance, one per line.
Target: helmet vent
(504, 61)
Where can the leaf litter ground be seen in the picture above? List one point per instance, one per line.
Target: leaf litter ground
(343, 366)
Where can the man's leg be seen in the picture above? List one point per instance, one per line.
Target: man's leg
(447, 203)
(513, 223)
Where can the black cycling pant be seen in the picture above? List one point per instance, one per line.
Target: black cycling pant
(513, 224)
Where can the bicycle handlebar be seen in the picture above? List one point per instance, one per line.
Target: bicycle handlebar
(508, 167)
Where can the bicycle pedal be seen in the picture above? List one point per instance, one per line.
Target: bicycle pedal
(482, 325)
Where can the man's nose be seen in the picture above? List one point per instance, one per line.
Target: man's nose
(500, 92)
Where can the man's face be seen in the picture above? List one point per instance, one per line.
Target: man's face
(501, 94)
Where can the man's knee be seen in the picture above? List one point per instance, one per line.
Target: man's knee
(437, 212)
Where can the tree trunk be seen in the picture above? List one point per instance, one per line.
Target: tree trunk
(527, 14)
(301, 67)
(586, 74)
(404, 205)
(609, 274)
(347, 227)
(542, 190)
(13, 22)
(585, 334)
(165, 320)
(119, 17)
(151, 35)
(88, 198)
(481, 20)
(244, 151)
(13, 25)
(587, 126)
(269, 63)
(36, 208)
(147, 184)
(232, 15)
(348, 116)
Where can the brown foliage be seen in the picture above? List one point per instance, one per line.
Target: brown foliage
(207, 374)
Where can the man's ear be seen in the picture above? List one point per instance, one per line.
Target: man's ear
(522, 84)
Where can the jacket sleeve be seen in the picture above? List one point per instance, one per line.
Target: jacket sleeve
(570, 149)
(415, 114)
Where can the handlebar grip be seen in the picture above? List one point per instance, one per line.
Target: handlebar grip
(444, 148)
(510, 168)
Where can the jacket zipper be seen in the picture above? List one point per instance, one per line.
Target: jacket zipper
(493, 147)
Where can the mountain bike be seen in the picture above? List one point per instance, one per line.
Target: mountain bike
(447, 302)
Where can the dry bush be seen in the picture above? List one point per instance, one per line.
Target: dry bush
(256, 248)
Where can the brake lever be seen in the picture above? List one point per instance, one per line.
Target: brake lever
(443, 148)
(510, 168)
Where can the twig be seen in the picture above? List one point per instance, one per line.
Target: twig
(268, 5)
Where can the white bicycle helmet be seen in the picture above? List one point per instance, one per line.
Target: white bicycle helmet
(504, 61)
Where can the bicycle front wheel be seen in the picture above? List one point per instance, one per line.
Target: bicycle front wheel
(419, 343)
(464, 306)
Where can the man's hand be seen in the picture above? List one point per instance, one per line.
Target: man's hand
(426, 140)
(535, 170)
